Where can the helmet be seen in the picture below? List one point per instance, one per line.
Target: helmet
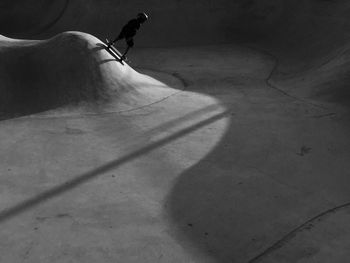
(142, 16)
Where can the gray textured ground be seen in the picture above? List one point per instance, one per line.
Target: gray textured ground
(233, 147)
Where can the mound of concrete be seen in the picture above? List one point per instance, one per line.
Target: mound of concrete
(67, 69)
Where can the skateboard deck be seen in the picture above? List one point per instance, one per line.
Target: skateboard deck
(115, 52)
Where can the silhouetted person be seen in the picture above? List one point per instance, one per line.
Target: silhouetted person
(129, 31)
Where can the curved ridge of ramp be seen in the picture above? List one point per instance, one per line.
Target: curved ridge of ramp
(69, 69)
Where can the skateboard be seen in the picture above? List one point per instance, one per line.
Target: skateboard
(115, 53)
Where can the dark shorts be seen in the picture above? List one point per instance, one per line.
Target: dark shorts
(129, 41)
(128, 38)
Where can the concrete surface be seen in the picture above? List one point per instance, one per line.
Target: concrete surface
(34, 77)
(275, 188)
(235, 152)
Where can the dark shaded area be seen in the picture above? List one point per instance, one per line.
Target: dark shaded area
(34, 78)
(84, 178)
(309, 224)
(29, 18)
(171, 22)
(336, 90)
(208, 204)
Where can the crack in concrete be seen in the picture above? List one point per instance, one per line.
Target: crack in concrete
(268, 82)
(271, 177)
(324, 115)
(307, 225)
(330, 58)
(102, 114)
(28, 250)
(272, 86)
(175, 75)
(184, 82)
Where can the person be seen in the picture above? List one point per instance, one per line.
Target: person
(129, 31)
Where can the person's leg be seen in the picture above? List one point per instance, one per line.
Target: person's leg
(125, 52)
(119, 37)
(130, 43)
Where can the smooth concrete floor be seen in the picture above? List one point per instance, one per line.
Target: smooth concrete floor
(227, 169)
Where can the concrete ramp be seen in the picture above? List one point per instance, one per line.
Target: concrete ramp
(70, 68)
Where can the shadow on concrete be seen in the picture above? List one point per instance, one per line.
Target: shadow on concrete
(108, 60)
(83, 178)
(206, 200)
(100, 47)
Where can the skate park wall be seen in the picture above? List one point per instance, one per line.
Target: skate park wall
(177, 22)
(316, 25)
(302, 35)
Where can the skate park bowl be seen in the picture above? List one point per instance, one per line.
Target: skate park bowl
(223, 138)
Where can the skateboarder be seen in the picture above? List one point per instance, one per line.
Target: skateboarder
(129, 31)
